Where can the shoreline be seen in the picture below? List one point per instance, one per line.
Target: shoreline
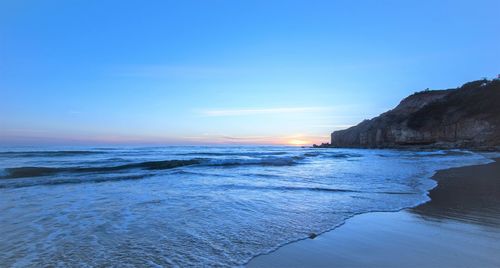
(430, 147)
(460, 210)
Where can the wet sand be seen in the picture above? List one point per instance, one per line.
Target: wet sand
(458, 227)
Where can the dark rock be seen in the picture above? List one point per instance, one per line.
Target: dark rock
(312, 235)
(322, 145)
(466, 117)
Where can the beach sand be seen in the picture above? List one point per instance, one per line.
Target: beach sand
(458, 227)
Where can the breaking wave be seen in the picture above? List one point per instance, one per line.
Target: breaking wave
(234, 153)
(73, 180)
(36, 171)
(313, 189)
(190, 206)
(236, 159)
(48, 153)
(21, 172)
(269, 161)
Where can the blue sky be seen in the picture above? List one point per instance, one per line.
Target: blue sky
(203, 72)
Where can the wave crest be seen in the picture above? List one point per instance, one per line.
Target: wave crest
(21, 172)
(269, 161)
(47, 153)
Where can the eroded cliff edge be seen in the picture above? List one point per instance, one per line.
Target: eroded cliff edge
(465, 117)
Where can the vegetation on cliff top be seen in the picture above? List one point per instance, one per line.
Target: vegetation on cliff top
(464, 117)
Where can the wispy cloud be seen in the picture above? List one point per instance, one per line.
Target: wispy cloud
(256, 111)
(228, 139)
(269, 140)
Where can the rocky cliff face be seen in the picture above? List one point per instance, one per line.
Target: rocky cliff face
(466, 117)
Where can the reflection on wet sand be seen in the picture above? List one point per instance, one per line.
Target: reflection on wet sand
(467, 194)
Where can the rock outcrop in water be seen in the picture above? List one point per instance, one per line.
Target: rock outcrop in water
(465, 117)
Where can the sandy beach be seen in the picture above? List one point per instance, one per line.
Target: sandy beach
(458, 227)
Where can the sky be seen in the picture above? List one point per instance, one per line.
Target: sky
(227, 72)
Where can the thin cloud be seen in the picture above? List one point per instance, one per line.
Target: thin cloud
(257, 111)
(248, 140)
(219, 138)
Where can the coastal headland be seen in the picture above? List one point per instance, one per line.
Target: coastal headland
(467, 117)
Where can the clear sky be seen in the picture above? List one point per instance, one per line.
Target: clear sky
(210, 71)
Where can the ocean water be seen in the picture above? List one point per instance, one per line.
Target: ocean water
(194, 206)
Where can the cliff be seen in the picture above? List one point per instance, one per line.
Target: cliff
(465, 117)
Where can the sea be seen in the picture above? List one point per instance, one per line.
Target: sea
(185, 206)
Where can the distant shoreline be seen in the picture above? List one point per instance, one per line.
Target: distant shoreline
(458, 227)
(414, 147)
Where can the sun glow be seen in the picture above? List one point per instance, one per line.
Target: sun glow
(298, 142)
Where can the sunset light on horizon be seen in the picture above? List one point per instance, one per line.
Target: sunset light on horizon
(225, 72)
(249, 133)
